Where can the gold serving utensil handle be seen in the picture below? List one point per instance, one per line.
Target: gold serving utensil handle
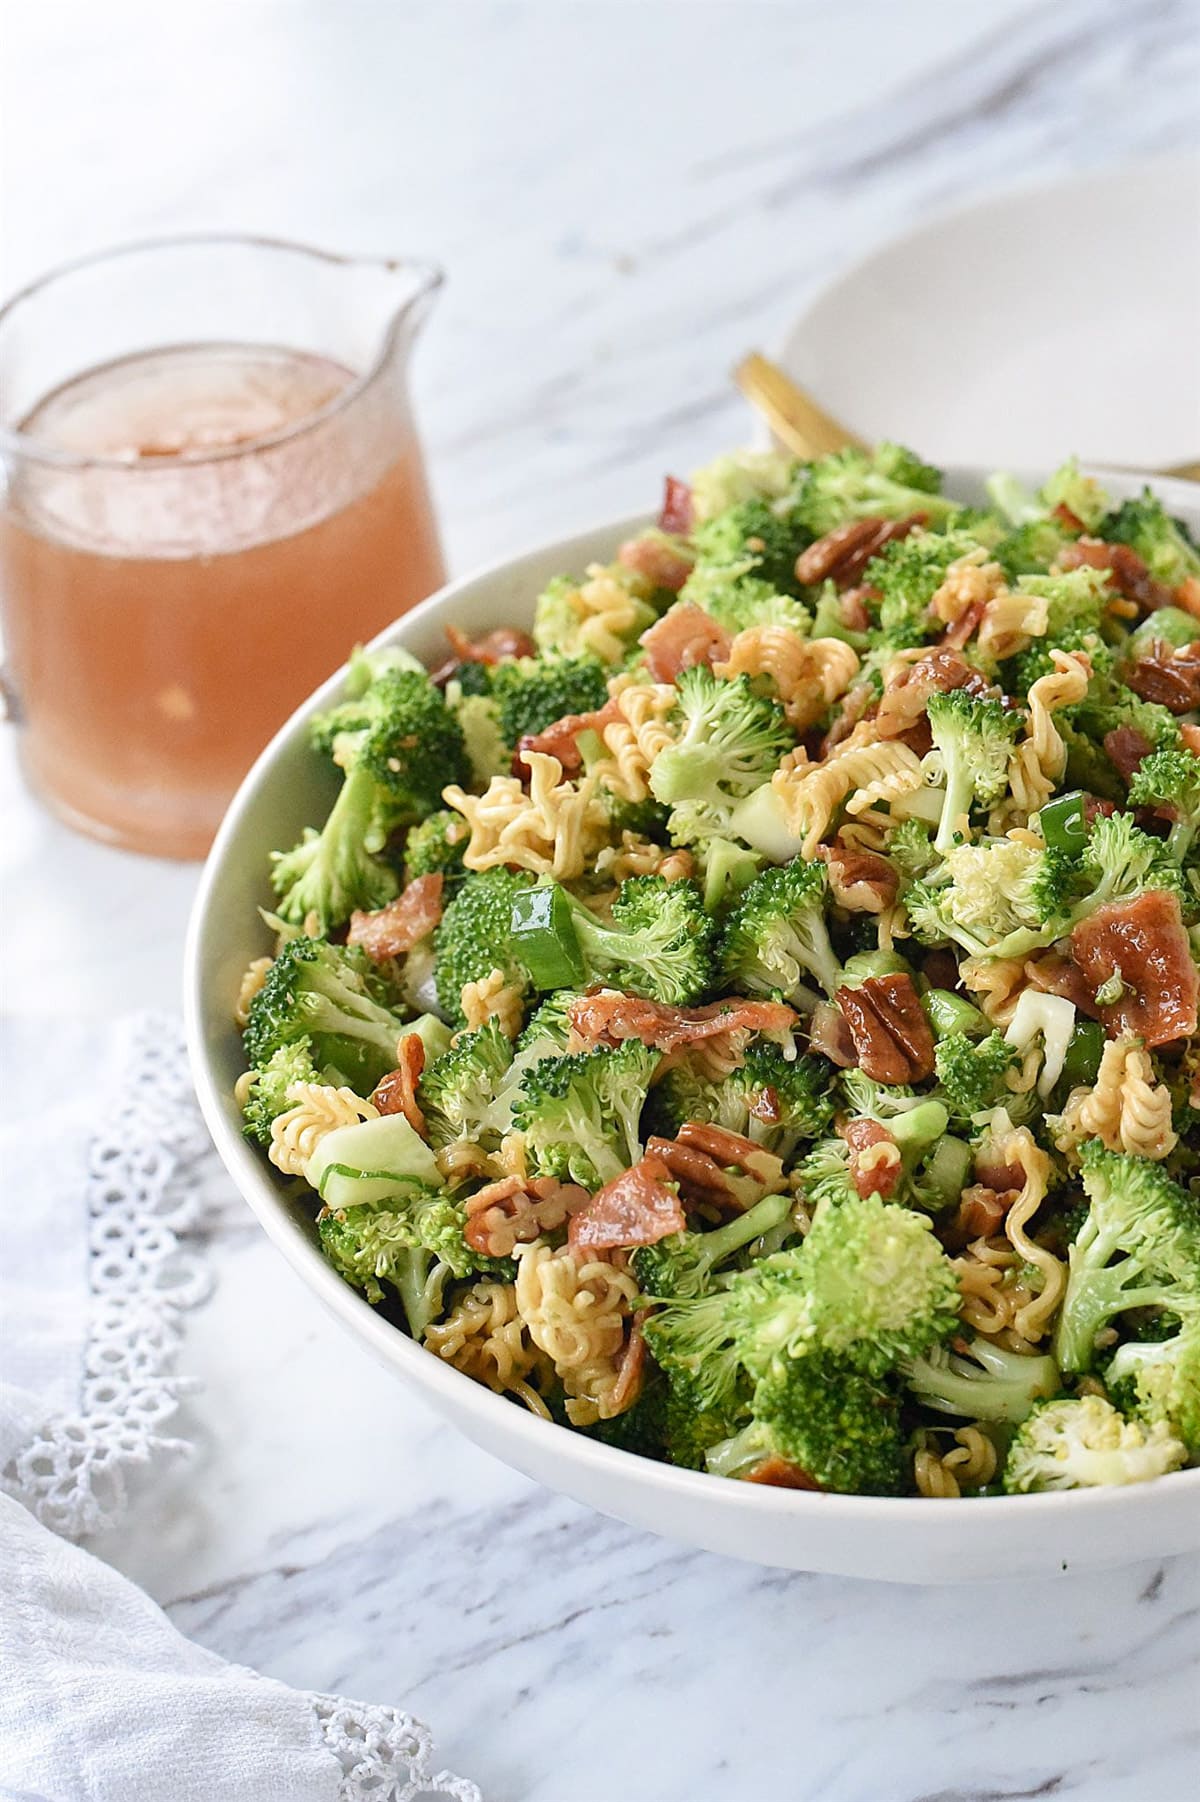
(793, 416)
(809, 431)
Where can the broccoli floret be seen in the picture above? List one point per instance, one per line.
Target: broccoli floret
(908, 574)
(415, 1246)
(775, 1100)
(436, 847)
(399, 744)
(580, 1112)
(457, 1088)
(642, 1428)
(889, 482)
(756, 537)
(1139, 1247)
(870, 1285)
(744, 475)
(1081, 1442)
(877, 1287)
(1160, 1382)
(680, 1265)
(1080, 495)
(1164, 544)
(729, 740)
(837, 1426)
(268, 1097)
(474, 936)
(328, 997)
(1171, 779)
(531, 693)
(660, 943)
(566, 611)
(983, 1382)
(1031, 548)
(975, 738)
(737, 600)
(776, 935)
(1076, 607)
(910, 848)
(971, 1072)
(983, 893)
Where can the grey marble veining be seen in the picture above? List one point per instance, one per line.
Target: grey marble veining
(627, 196)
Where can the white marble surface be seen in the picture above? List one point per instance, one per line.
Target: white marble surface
(626, 196)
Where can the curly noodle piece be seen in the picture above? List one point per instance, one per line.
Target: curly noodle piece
(1036, 766)
(318, 1109)
(858, 773)
(577, 1312)
(994, 1290)
(1010, 620)
(608, 612)
(969, 582)
(636, 856)
(1019, 1147)
(635, 739)
(809, 673)
(553, 830)
(253, 977)
(996, 984)
(485, 1337)
(493, 997)
(1125, 1107)
(940, 1476)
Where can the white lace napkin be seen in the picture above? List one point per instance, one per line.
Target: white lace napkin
(101, 1158)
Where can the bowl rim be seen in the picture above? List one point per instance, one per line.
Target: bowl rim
(245, 1166)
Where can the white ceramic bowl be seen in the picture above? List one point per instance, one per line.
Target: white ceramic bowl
(906, 1540)
(1004, 329)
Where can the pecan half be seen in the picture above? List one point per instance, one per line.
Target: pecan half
(888, 1025)
(842, 555)
(1167, 674)
(860, 881)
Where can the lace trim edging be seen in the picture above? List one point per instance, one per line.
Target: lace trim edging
(384, 1754)
(141, 1195)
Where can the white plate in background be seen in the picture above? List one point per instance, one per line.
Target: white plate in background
(1065, 318)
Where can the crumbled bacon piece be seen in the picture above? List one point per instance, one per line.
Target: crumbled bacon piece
(682, 638)
(561, 738)
(1065, 517)
(397, 1093)
(631, 1367)
(842, 555)
(403, 923)
(1145, 942)
(852, 607)
(1127, 748)
(1187, 595)
(517, 1210)
(778, 1473)
(493, 647)
(1127, 571)
(1167, 674)
(639, 1207)
(610, 1017)
(980, 1213)
(967, 623)
(1055, 974)
(939, 671)
(659, 562)
(862, 881)
(871, 1174)
(1191, 739)
(675, 514)
(891, 1035)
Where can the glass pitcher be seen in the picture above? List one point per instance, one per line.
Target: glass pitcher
(213, 489)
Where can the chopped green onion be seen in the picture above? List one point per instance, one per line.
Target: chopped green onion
(1063, 822)
(948, 1012)
(545, 939)
(1085, 1048)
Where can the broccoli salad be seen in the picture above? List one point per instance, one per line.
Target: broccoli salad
(751, 1017)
